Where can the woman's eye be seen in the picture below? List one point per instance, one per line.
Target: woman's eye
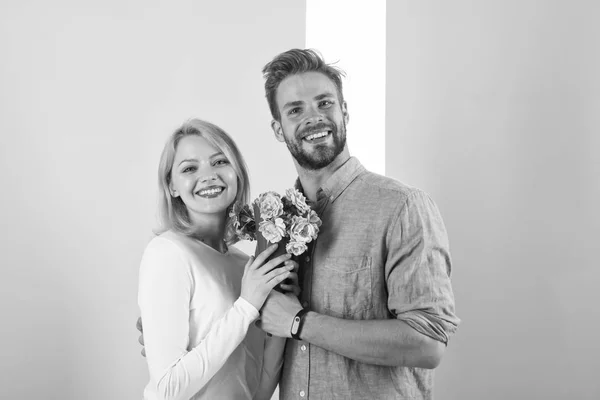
(188, 169)
(222, 162)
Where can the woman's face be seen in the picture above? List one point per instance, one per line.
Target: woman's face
(203, 178)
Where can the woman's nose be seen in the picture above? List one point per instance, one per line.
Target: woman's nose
(208, 177)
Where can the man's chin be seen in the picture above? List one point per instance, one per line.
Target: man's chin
(315, 163)
(315, 157)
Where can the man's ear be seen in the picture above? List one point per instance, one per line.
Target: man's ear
(277, 130)
(345, 112)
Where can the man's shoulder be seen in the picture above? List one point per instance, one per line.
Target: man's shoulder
(387, 187)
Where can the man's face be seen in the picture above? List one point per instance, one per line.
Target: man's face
(313, 120)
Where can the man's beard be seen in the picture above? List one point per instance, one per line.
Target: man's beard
(322, 154)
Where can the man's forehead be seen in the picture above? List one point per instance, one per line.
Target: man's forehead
(310, 84)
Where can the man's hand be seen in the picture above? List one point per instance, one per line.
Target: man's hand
(139, 327)
(278, 312)
(291, 285)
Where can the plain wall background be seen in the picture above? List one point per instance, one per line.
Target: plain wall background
(493, 107)
(89, 92)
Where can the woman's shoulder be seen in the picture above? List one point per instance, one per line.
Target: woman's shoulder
(169, 243)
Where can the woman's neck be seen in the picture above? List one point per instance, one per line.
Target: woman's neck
(210, 231)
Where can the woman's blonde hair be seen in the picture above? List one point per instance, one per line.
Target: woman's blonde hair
(172, 212)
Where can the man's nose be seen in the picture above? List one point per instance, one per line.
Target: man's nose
(314, 116)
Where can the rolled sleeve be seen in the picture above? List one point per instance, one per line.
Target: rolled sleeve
(418, 269)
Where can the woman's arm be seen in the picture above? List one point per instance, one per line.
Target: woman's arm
(165, 290)
(271, 369)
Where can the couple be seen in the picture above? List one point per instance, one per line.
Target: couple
(368, 309)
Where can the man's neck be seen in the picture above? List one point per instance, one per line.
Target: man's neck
(312, 180)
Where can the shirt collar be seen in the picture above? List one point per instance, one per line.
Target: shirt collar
(338, 181)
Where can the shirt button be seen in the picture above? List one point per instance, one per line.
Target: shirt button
(305, 304)
(302, 394)
(307, 258)
(303, 347)
(331, 198)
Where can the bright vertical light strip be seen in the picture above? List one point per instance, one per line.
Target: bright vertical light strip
(353, 33)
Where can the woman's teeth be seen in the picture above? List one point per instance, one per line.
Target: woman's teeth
(317, 135)
(208, 192)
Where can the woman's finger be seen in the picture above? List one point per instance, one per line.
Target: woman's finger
(277, 272)
(275, 262)
(277, 279)
(262, 257)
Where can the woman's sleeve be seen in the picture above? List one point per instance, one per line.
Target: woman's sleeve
(165, 290)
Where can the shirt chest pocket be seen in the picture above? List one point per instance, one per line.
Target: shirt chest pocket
(343, 286)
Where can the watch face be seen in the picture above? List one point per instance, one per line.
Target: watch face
(295, 325)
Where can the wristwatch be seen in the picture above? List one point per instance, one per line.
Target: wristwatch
(297, 323)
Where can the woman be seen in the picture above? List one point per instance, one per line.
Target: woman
(198, 296)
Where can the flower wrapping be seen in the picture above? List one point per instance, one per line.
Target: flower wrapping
(287, 220)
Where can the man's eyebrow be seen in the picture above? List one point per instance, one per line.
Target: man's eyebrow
(324, 95)
(293, 104)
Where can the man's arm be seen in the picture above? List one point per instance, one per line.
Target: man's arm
(419, 296)
(382, 342)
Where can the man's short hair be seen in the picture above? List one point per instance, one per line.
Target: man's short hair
(292, 62)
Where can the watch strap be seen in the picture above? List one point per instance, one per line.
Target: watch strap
(297, 324)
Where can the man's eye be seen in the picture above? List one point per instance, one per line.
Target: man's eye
(326, 103)
(294, 111)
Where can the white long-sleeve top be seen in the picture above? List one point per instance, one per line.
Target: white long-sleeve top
(198, 332)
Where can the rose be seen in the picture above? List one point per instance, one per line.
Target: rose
(242, 220)
(295, 248)
(270, 205)
(314, 219)
(297, 200)
(273, 231)
(302, 230)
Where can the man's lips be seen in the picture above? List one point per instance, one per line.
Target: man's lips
(316, 135)
(316, 131)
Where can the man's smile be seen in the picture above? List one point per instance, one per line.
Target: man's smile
(318, 135)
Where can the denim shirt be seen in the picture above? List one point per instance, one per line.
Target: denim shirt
(382, 253)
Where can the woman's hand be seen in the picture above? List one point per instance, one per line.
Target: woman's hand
(260, 277)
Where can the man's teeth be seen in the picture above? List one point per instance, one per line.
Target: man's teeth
(317, 135)
(208, 192)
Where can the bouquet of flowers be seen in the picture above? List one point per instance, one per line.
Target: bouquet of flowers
(274, 218)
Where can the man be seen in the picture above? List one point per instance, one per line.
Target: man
(376, 308)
